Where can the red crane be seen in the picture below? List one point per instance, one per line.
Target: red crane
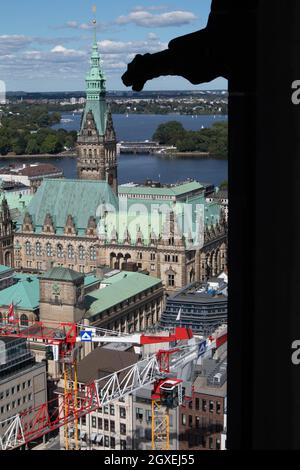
(156, 369)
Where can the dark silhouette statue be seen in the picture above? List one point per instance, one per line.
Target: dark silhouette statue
(223, 48)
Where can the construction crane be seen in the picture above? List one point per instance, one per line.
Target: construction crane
(166, 370)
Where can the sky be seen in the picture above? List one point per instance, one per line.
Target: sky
(45, 45)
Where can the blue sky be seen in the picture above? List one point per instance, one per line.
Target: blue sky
(45, 45)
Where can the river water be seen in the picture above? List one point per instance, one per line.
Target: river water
(138, 168)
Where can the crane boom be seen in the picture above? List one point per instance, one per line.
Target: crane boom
(33, 424)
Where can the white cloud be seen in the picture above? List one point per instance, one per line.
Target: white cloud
(13, 43)
(150, 8)
(152, 37)
(83, 26)
(118, 47)
(149, 20)
(72, 24)
(67, 52)
(27, 59)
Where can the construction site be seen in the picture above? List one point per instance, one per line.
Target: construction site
(93, 374)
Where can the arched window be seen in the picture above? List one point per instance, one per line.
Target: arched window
(49, 250)
(93, 254)
(28, 248)
(70, 252)
(60, 252)
(81, 252)
(38, 249)
(24, 320)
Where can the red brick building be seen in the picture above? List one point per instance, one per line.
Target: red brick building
(201, 421)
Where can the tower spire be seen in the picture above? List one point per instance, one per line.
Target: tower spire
(95, 25)
(96, 144)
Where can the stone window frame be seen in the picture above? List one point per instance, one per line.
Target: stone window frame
(49, 251)
(59, 250)
(71, 251)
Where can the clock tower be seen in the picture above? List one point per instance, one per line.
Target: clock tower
(96, 143)
(61, 296)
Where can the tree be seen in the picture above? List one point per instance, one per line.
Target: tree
(18, 145)
(213, 140)
(32, 147)
(51, 145)
(169, 133)
(4, 144)
(224, 185)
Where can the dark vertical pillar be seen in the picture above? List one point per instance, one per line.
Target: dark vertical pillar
(264, 247)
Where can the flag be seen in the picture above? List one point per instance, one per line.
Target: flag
(179, 315)
(11, 312)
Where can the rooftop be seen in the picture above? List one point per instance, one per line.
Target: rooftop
(221, 194)
(31, 170)
(25, 293)
(198, 292)
(120, 288)
(60, 198)
(201, 386)
(17, 203)
(166, 190)
(62, 274)
(102, 362)
(4, 269)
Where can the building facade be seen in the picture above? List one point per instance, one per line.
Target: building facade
(6, 277)
(64, 223)
(108, 427)
(23, 382)
(6, 235)
(198, 306)
(202, 421)
(142, 421)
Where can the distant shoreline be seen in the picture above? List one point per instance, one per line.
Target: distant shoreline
(191, 154)
(39, 156)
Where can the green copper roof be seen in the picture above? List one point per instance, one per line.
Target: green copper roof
(25, 294)
(91, 279)
(4, 269)
(62, 274)
(60, 198)
(147, 214)
(174, 191)
(16, 203)
(127, 285)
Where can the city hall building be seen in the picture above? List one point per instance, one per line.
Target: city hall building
(170, 231)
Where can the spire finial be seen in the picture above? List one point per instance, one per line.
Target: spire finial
(95, 23)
